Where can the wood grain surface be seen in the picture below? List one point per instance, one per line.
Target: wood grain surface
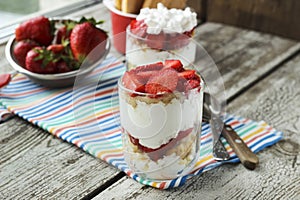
(36, 165)
(272, 16)
(243, 56)
(276, 100)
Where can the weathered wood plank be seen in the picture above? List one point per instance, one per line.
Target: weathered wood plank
(275, 100)
(242, 55)
(88, 173)
(276, 17)
(35, 164)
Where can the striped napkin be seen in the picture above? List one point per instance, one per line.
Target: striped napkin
(87, 116)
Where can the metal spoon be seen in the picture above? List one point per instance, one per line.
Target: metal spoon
(247, 157)
(219, 151)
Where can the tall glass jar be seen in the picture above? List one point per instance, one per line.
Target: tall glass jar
(161, 135)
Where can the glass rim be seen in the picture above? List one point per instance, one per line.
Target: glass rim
(129, 33)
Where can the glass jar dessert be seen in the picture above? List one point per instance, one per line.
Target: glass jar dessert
(160, 34)
(161, 114)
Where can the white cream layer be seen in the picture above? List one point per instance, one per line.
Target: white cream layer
(155, 124)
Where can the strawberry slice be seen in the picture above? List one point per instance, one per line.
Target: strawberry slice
(131, 81)
(56, 48)
(189, 33)
(133, 140)
(174, 64)
(156, 41)
(138, 28)
(144, 72)
(191, 84)
(188, 74)
(181, 84)
(158, 153)
(149, 67)
(144, 76)
(177, 41)
(165, 81)
(4, 79)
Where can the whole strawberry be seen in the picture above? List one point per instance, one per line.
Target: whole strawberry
(63, 67)
(42, 61)
(84, 38)
(63, 33)
(38, 29)
(21, 49)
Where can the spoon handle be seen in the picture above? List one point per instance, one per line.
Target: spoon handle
(247, 157)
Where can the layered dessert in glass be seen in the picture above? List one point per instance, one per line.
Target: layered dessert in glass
(161, 114)
(159, 34)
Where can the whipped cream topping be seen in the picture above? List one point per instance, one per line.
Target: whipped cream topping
(168, 20)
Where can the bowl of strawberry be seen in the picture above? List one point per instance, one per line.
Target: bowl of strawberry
(53, 52)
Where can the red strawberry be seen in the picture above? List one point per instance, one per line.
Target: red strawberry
(62, 34)
(175, 64)
(132, 82)
(149, 67)
(138, 28)
(144, 76)
(176, 41)
(191, 84)
(4, 79)
(165, 81)
(181, 84)
(84, 38)
(63, 67)
(159, 152)
(21, 49)
(38, 29)
(188, 74)
(189, 33)
(156, 41)
(41, 61)
(133, 140)
(56, 48)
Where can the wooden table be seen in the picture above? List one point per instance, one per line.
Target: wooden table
(262, 78)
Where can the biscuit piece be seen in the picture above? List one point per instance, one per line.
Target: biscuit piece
(132, 6)
(179, 4)
(118, 4)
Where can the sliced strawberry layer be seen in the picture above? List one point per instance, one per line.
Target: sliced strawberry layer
(4, 79)
(174, 64)
(166, 41)
(144, 76)
(163, 82)
(160, 78)
(138, 28)
(191, 84)
(159, 152)
(131, 81)
(156, 41)
(149, 67)
(189, 74)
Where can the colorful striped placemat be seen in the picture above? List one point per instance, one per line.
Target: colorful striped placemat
(87, 116)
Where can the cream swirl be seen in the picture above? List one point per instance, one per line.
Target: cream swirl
(168, 20)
